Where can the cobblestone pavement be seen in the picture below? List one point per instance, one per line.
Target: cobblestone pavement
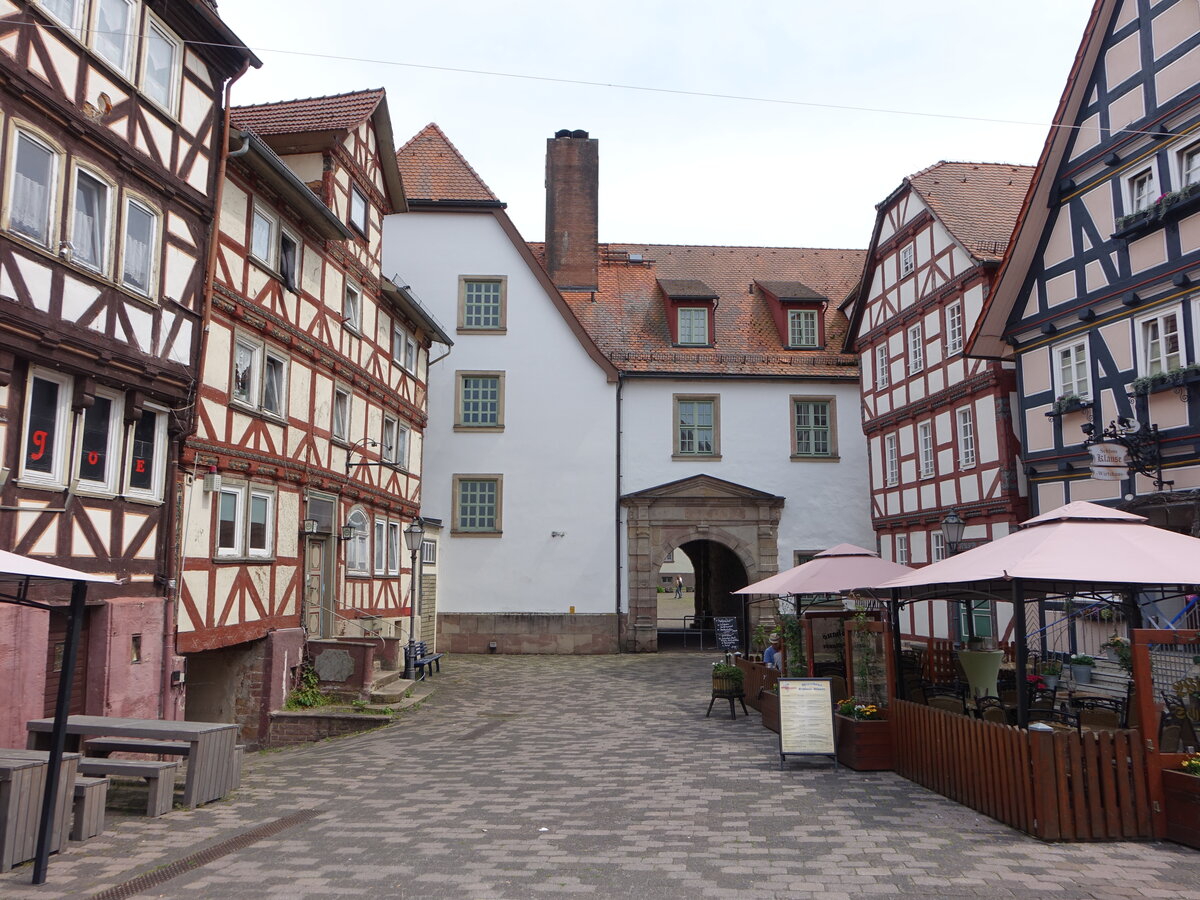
(554, 776)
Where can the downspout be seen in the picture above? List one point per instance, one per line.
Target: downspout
(617, 524)
(173, 562)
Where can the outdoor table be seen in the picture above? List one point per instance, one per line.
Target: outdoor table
(22, 788)
(212, 755)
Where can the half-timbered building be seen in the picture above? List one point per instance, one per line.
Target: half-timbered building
(938, 424)
(305, 463)
(1097, 300)
(110, 134)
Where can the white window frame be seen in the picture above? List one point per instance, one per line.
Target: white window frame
(158, 476)
(284, 366)
(352, 307)
(152, 253)
(804, 329)
(341, 418)
(404, 348)
(428, 552)
(883, 375)
(252, 393)
(692, 324)
(891, 460)
(393, 548)
(268, 550)
(358, 550)
(129, 30)
(112, 448)
(379, 548)
(101, 265)
(48, 217)
(964, 429)
(1075, 385)
(954, 327)
(908, 259)
(359, 210)
(916, 347)
(1188, 165)
(925, 449)
(62, 444)
(388, 444)
(902, 555)
(237, 493)
(1141, 189)
(937, 547)
(266, 250)
(74, 22)
(156, 27)
(1163, 360)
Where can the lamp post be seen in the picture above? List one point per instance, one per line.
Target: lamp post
(414, 534)
(953, 526)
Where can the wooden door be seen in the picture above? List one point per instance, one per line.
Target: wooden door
(54, 659)
(318, 597)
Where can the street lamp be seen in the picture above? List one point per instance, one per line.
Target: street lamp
(414, 534)
(953, 527)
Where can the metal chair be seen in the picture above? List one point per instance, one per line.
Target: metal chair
(1042, 698)
(992, 709)
(1100, 711)
(949, 703)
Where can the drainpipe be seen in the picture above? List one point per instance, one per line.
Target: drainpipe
(172, 566)
(617, 524)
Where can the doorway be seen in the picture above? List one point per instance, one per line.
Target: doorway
(318, 592)
(709, 572)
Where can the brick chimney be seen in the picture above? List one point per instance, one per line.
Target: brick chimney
(572, 189)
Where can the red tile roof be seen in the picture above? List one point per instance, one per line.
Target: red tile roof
(627, 316)
(341, 112)
(977, 202)
(433, 169)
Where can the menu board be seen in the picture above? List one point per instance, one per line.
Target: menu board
(727, 633)
(805, 717)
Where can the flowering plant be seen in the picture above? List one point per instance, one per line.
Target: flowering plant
(1191, 764)
(1082, 659)
(1035, 682)
(1116, 642)
(853, 709)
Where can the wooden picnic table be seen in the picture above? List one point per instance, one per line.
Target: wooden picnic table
(22, 787)
(211, 756)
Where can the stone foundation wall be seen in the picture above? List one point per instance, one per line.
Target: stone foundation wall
(527, 633)
(304, 726)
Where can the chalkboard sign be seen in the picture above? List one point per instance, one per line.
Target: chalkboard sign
(727, 633)
(805, 718)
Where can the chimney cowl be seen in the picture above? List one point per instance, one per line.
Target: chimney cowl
(578, 134)
(563, 133)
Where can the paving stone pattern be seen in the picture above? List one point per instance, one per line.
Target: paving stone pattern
(548, 776)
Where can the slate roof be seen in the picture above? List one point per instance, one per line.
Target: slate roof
(433, 169)
(977, 202)
(626, 317)
(340, 112)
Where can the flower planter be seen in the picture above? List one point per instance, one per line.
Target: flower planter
(864, 745)
(981, 668)
(1082, 674)
(726, 685)
(1110, 653)
(1181, 804)
(1051, 682)
(768, 705)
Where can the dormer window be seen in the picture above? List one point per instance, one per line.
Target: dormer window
(802, 328)
(798, 312)
(693, 325)
(690, 308)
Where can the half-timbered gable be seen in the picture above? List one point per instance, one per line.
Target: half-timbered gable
(312, 403)
(110, 123)
(1097, 300)
(937, 422)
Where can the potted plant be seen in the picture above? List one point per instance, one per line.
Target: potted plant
(727, 679)
(1067, 403)
(1051, 671)
(862, 736)
(1181, 795)
(1081, 667)
(1116, 649)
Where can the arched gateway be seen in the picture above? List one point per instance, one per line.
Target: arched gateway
(743, 520)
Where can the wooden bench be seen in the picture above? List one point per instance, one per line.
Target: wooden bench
(425, 661)
(160, 778)
(100, 747)
(90, 797)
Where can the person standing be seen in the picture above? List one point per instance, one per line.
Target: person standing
(678, 586)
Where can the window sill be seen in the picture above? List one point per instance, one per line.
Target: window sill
(481, 429)
(693, 346)
(273, 272)
(476, 534)
(464, 330)
(244, 560)
(50, 486)
(812, 457)
(362, 575)
(144, 500)
(692, 457)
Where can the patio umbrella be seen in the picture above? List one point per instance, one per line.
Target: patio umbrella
(841, 568)
(16, 573)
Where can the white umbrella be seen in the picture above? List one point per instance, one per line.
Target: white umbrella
(841, 568)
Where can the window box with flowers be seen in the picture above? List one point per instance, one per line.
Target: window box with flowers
(1136, 223)
(862, 736)
(1068, 403)
(1179, 377)
(1181, 796)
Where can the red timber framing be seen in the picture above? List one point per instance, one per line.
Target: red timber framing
(937, 422)
(102, 258)
(313, 396)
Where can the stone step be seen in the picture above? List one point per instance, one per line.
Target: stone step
(401, 695)
(385, 678)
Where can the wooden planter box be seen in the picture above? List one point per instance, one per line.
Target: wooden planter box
(768, 705)
(863, 745)
(1181, 796)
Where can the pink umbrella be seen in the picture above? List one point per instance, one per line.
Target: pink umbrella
(841, 568)
(1080, 542)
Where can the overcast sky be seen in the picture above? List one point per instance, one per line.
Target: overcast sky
(678, 168)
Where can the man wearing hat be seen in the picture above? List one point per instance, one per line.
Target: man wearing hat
(772, 655)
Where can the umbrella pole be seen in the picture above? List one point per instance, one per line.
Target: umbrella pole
(1019, 630)
(897, 667)
(58, 737)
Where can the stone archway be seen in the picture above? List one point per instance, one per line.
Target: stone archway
(700, 508)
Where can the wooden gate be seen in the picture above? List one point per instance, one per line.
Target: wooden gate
(1057, 786)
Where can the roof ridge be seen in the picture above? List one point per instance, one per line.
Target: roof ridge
(361, 93)
(730, 246)
(434, 131)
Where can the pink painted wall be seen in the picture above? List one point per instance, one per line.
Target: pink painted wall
(23, 636)
(117, 686)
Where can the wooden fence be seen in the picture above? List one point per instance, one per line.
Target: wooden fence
(758, 676)
(1057, 786)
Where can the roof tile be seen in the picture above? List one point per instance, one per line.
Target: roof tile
(433, 169)
(340, 112)
(977, 202)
